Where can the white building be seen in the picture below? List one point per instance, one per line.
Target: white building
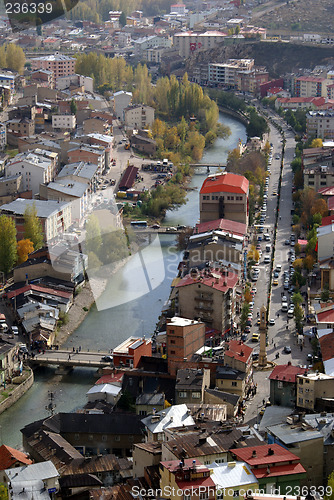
(188, 42)
(63, 82)
(225, 74)
(35, 480)
(77, 193)
(139, 117)
(66, 122)
(320, 124)
(121, 100)
(37, 167)
(7, 80)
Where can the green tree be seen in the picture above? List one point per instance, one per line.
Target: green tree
(93, 236)
(33, 229)
(297, 298)
(298, 315)
(244, 315)
(73, 107)
(325, 295)
(122, 19)
(8, 248)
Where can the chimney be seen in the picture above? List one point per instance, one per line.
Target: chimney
(253, 453)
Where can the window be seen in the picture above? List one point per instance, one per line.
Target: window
(280, 384)
(171, 331)
(172, 352)
(182, 394)
(234, 384)
(196, 395)
(117, 438)
(104, 437)
(300, 390)
(307, 381)
(172, 341)
(204, 496)
(300, 401)
(90, 437)
(235, 493)
(76, 437)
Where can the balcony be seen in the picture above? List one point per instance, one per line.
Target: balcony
(204, 308)
(204, 299)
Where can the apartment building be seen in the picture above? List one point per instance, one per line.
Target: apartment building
(59, 64)
(311, 86)
(3, 136)
(184, 338)
(312, 388)
(64, 122)
(320, 124)
(139, 117)
(186, 43)
(121, 100)
(88, 154)
(225, 74)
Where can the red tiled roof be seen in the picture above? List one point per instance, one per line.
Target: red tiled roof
(326, 315)
(326, 191)
(224, 224)
(224, 282)
(262, 457)
(196, 483)
(327, 346)
(174, 465)
(275, 90)
(9, 456)
(41, 289)
(225, 183)
(279, 470)
(327, 221)
(330, 203)
(238, 350)
(286, 373)
(110, 378)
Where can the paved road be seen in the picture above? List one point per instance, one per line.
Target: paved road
(278, 334)
(67, 357)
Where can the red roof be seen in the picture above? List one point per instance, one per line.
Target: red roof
(310, 79)
(286, 373)
(196, 483)
(326, 315)
(262, 456)
(222, 283)
(238, 350)
(302, 243)
(41, 289)
(189, 463)
(128, 178)
(279, 470)
(330, 203)
(327, 346)
(224, 224)
(225, 183)
(9, 456)
(326, 191)
(327, 221)
(110, 378)
(275, 90)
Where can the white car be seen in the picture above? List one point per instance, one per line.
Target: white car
(15, 330)
(271, 322)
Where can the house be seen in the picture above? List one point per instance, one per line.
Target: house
(312, 389)
(143, 144)
(104, 392)
(145, 455)
(19, 127)
(55, 217)
(324, 423)
(231, 380)
(81, 172)
(231, 478)
(36, 168)
(311, 86)
(43, 77)
(187, 42)
(88, 154)
(209, 296)
(74, 193)
(3, 138)
(64, 122)
(326, 343)
(11, 458)
(32, 479)
(190, 476)
(120, 101)
(96, 124)
(325, 235)
(129, 352)
(43, 294)
(230, 400)
(324, 316)
(184, 338)
(283, 389)
(224, 195)
(190, 385)
(273, 465)
(304, 442)
(128, 178)
(175, 416)
(148, 403)
(225, 74)
(8, 360)
(318, 168)
(138, 116)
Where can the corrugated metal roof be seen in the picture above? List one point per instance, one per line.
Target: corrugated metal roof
(128, 177)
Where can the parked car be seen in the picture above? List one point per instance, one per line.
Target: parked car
(271, 321)
(108, 359)
(15, 330)
(287, 349)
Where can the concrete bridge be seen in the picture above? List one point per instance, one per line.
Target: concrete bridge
(208, 165)
(69, 359)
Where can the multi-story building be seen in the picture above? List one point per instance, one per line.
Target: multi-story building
(77, 193)
(283, 384)
(59, 64)
(129, 352)
(55, 216)
(225, 74)
(224, 196)
(312, 388)
(121, 100)
(88, 154)
(19, 127)
(3, 136)
(43, 78)
(320, 124)
(81, 172)
(210, 296)
(189, 41)
(96, 125)
(250, 81)
(7, 80)
(311, 86)
(139, 117)
(184, 338)
(191, 384)
(64, 122)
(189, 475)
(36, 168)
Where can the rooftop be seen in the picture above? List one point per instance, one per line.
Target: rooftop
(286, 373)
(177, 321)
(174, 416)
(231, 474)
(211, 280)
(130, 343)
(265, 454)
(44, 209)
(232, 227)
(225, 182)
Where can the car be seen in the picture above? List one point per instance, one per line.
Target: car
(278, 267)
(284, 298)
(266, 237)
(258, 246)
(180, 227)
(258, 322)
(286, 285)
(255, 337)
(287, 349)
(171, 228)
(15, 330)
(249, 322)
(259, 238)
(275, 282)
(291, 289)
(276, 274)
(155, 226)
(274, 193)
(287, 242)
(290, 312)
(23, 348)
(271, 321)
(254, 289)
(247, 329)
(244, 337)
(267, 259)
(261, 229)
(250, 315)
(277, 157)
(108, 359)
(119, 142)
(255, 355)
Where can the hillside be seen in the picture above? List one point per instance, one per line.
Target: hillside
(278, 57)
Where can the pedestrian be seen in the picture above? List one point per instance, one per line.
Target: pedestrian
(79, 348)
(73, 349)
(69, 357)
(301, 347)
(272, 341)
(287, 327)
(263, 401)
(274, 346)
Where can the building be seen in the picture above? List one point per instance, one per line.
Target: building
(3, 136)
(318, 168)
(188, 475)
(311, 86)
(274, 466)
(143, 144)
(147, 404)
(81, 172)
(73, 192)
(128, 178)
(36, 168)
(139, 116)
(88, 154)
(64, 122)
(171, 418)
(121, 100)
(59, 64)
(8, 360)
(224, 196)
(32, 479)
(312, 388)
(187, 42)
(238, 356)
(145, 455)
(210, 296)
(11, 458)
(233, 478)
(325, 235)
(320, 124)
(54, 216)
(96, 124)
(313, 103)
(225, 74)
(283, 380)
(191, 384)
(231, 380)
(184, 338)
(108, 393)
(19, 127)
(130, 351)
(43, 78)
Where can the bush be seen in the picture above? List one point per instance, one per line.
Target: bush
(85, 308)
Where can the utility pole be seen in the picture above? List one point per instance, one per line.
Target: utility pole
(51, 406)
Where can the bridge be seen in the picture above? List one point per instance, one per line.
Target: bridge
(161, 230)
(68, 359)
(208, 165)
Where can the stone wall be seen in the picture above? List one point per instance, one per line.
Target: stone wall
(16, 394)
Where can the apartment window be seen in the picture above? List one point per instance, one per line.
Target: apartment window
(204, 496)
(307, 381)
(196, 395)
(171, 331)
(300, 401)
(172, 352)
(280, 384)
(182, 394)
(160, 436)
(234, 384)
(117, 438)
(301, 381)
(301, 390)
(172, 341)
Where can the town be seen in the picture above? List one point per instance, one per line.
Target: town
(106, 115)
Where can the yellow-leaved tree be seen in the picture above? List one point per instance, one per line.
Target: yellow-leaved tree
(24, 248)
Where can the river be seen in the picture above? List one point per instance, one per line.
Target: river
(130, 305)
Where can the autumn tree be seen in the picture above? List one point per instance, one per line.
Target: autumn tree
(8, 250)
(33, 229)
(316, 143)
(24, 248)
(319, 207)
(244, 315)
(12, 57)
(308, 263)
(248, 295)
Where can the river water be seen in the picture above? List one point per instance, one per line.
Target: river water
(130, 305)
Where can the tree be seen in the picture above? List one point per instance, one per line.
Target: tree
(330, 487)
(93, 236)
(33, 229)
(244, 315)
(24, 248)
(325, 295)
(8, 250)
(308, 263)
(248, 295)
(297, 299)
(73, 107)
(3, 492)
(122, 19)
(298, 264)
(298, 315)
(316, 143)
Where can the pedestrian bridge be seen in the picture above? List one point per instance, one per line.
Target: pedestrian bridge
(67, 358)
